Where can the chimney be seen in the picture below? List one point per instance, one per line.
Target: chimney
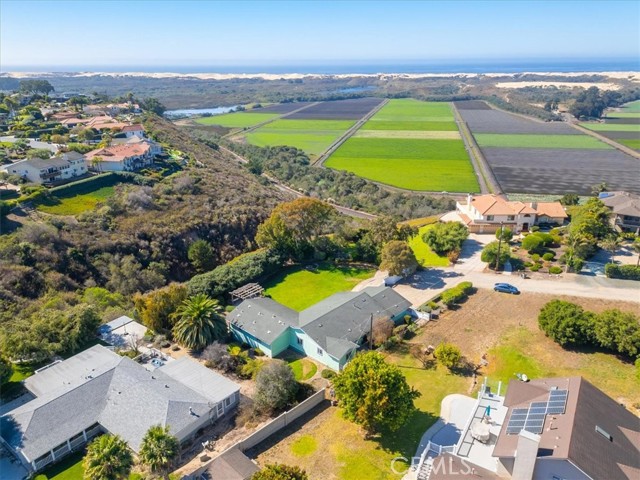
(469, 197)
(526, 454)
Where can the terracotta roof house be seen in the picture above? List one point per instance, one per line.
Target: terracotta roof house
(98, 391)
(122, 157)
(626, 210)
(136, 130)
(330, 331)
(486, 213)
(545, 429)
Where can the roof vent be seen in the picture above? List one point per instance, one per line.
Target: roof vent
(166, 386)
(152, 377)
(604, 433)
(319, 324)
(268, 331)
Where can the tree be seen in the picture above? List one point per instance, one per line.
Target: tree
(445, 237)
(599, 188)
(382, 330)
(276, 387)
(570, 199)
(490, 252)
(610, 244)
(398, 258)
(589, 224)
(158, 448)
(41, 153)
(155, 308)
(153, 105)
(448, 355)
(618, 331)
(36, 86)
(374, 393)
(588, 104)
(506, 234)
(278, 471)
(108, 458)
(201, 256)
(5, 370)
(566, 323)
(199, 323)
(636, 248)
(96, 162)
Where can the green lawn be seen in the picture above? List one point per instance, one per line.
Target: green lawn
(68, 469)
(425, 256)
(304, 446)
(303, 369)
(75, 204)
(237, 119)
(539, 141)
(13, 386)
(312, 136)
(299, 288)
(414, 164)
(630, 142)
(612, 127)
(623, 114)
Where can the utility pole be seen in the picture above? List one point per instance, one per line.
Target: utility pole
(499, 245)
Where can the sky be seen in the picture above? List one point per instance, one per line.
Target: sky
(86, 33)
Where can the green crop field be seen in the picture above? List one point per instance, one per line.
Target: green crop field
(237, 119)
(539, 141)
(312, 136)
(630, 142)
(433, 135)
(623, 114)
(432, 165)
(410, 125)
(612, 127)
(408, 109)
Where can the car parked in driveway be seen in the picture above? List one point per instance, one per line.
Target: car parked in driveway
(506, 288)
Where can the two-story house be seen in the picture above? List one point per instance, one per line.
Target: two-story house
(625, 208)
(50, 170)
(123, 157)
(487, 213)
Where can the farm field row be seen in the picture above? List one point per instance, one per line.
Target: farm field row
(612, 127)
(529, 156)
(237, 119)
(312, 136)
(409, 144)
(621, 125)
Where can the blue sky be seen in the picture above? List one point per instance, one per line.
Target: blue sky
(147, 33)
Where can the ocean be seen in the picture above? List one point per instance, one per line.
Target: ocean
(356, 67)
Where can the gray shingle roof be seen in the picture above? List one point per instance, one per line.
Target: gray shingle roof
(126, 399)
(263, 318)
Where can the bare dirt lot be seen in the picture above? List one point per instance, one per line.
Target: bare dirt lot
(482, 320)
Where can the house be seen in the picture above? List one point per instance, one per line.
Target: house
(154, 147)
(626, 210)
(486, 213)
(122, 157)
(123, 332)
(544, 429)
(136, 130)
(72, 122)
(50, 170)
(98, 391)
(104, 122)
(330, 331)
(231, 465)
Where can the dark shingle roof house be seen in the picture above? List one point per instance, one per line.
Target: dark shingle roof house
(329, 331)
(100, 391)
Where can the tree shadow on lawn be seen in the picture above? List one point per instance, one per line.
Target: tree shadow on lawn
(405, 440)
(591, 349)
(469, 248)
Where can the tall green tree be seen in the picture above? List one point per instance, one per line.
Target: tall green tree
(200, 322)
(374, 394)
(156, 308)
(566, 323)
(201, 256)
(398, 258)
(445, 237)
(159, 448)
(490, 252)
(5, 370)
(280, 472)
(108, 458)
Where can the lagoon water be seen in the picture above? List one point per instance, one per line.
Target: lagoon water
(192, 112)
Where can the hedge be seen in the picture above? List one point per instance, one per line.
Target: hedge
(625, 272)
(454, 295)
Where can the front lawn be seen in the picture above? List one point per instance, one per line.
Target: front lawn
(68, 469)
(300, 287)
(303, 369)
(425, 256)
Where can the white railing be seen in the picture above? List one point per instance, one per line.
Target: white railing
(76, 442)
(61, 450)
(45, 461)
(93, 432)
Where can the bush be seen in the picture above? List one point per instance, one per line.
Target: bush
(328, 374)
(249, 369)
(446, 237)
(528, 264)
(465, 287)
(535, 228)
(535, 267)
(545, 238)
(618, 331)
(548, 256)
(448, 355)
(625, 272)
(276, 387)
(566, 323)
(400, 331)
(532, 243)
(452, 296)
(490, 252)
(555, 270)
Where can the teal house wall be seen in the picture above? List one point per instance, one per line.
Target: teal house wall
(279, 345)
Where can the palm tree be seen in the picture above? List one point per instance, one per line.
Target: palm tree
(108, 458)
(610, 244)
(96, 162)
(636, 247)
(158, 448)
(200, 322)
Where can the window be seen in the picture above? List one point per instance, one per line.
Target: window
(227, 401)
(489, 218)
(299, 341)
(319, 351)
(511, 218)
(220, 409)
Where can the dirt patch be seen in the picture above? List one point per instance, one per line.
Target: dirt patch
(479, 323)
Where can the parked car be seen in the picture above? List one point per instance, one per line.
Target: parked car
(506, 288)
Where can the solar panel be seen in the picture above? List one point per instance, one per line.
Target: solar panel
(538, 405)
(532, 419)
(555, 410)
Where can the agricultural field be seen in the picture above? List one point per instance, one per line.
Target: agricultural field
(282, 108)
(409, 144)
(238, 119)
(300, 287)
(621, 125)
(353, 109)
(530, 156)
(312, 136)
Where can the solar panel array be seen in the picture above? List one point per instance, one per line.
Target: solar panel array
(532, 419)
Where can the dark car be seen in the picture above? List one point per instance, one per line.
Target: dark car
(506, 288)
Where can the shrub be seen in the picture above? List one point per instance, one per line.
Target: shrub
(400, 331)
(452, 296)
(535, 267)
(566, 323)
(548, 256)
(535, 228)
(249, 369)
(448, 355)
(532, 243)
(555, 270)
(528, 264)
(625, 272)
(535, 257)
(545, 237)
(490, 252)
(443, 238)
(328, 374)
(276, 387)
(618, 331)
(465, 287)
